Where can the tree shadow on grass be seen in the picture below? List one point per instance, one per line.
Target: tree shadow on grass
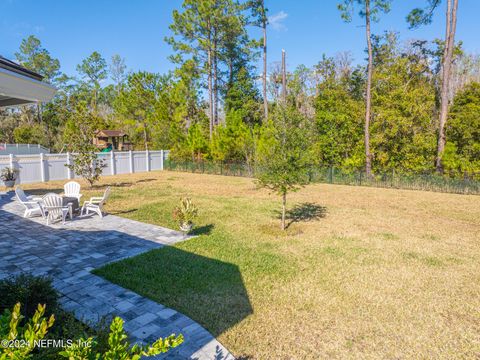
(303, 212)
(119, 212)
(202, 230)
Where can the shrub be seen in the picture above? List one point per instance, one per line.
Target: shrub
(119, 346)
(30, 291)
(27, 322)
(185, 213)
(20, 340)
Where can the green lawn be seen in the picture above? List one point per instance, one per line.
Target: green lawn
(360, 272)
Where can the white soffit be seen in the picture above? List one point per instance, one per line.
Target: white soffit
(19, 89)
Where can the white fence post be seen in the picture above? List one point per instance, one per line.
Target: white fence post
(11, 161)
(130, 159)
(42, 168)
(112, 162)
(69, 162)
(161, 159)
(147, 157)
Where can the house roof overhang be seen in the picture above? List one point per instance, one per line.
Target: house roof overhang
(21, 86)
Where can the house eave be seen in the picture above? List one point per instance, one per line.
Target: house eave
(16, 89)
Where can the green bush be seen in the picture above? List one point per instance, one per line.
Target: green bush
(19, 341)
(28, 322)
(30, 291)
(119, 347)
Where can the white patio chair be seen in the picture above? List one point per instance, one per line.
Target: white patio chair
(72, 189)
(53, 204)
(95, 204)
(32, 205)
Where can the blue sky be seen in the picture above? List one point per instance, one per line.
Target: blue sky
(71, 30)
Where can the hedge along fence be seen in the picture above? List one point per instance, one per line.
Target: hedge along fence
(46, 167)
(469, 184)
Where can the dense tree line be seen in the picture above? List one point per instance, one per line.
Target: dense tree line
(385, 115)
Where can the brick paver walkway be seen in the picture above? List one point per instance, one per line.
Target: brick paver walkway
(67, 253)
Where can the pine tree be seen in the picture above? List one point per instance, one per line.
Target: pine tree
(417, 17)
(370, 10)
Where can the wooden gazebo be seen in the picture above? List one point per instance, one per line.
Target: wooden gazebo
(112, 140)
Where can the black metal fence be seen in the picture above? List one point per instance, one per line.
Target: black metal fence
(467, 184)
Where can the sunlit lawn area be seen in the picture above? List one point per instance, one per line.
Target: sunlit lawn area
(360, 273)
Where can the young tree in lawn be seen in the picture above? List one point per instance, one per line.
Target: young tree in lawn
(370, 10)
(417, 17)
(79, 132)
(93, 69)
(137, 100)
(282, 157)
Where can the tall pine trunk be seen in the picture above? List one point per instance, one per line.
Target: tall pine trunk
(265, 101)
(451, 25)
(210, 92)
(215, 79)
(368, 97)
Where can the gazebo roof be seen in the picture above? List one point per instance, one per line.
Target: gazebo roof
(110, 133)
(19, 85)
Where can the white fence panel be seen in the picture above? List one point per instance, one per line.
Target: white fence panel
(54, 165)
(107, 170)
(29, 168)
(156, 160)
(55, 168)
(122, 162)
(139, 161)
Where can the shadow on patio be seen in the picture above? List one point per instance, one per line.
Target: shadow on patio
(210, 291)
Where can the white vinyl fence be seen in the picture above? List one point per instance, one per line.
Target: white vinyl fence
(22, 149)
(46, 167)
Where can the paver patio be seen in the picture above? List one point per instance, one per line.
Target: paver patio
(67, 253)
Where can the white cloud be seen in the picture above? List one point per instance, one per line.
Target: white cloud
(276, 20)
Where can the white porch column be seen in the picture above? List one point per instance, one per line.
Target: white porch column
(11, 161)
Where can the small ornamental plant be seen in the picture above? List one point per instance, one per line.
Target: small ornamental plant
(184, 214)
(9, 176)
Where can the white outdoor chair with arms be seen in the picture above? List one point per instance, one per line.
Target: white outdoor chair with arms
(32, 205)
(72, 189)
(95, 204)
(53, 203)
